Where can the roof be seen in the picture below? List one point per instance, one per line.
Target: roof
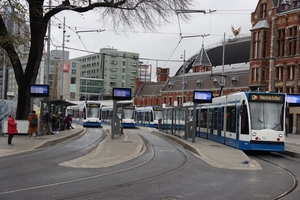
(237, 50)
(150, 89)
(202, 59)
(59, 102)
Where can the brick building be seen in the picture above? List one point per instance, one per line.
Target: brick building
(268, 60)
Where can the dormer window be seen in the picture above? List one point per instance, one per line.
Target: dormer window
(199, 83)
(234, 81)
(285, 4)
(170, 84)
(295, 3)
(215, 82)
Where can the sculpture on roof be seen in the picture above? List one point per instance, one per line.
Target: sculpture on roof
(236, 31)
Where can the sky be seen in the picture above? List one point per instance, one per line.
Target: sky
(162, 48)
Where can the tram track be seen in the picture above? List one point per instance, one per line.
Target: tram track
(294, 177)
(131, 182)
(106, 174)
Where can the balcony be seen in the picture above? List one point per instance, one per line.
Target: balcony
(113, 62)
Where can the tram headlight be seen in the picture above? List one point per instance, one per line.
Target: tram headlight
(254, 134)
(280, 135)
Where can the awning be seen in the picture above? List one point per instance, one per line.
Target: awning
(59, 102)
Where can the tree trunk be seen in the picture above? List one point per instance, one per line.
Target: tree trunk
(23, 107)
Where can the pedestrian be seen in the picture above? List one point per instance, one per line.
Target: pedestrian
(55, 123)
(32, 124)
(47, 121)
(68, 121)
(11, 128)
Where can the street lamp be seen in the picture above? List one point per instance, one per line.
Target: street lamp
(85, 87)
(183, 78)
(63, 59)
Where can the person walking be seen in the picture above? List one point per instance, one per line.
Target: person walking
(32, 124)
(11, 129)
(68, 122)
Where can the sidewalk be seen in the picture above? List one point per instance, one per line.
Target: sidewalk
(23, 143)
(130, 145)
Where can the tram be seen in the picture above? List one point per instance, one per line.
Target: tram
(245, 120)
(149, 116)
(126, 112)
(88, 114)
(254, 121)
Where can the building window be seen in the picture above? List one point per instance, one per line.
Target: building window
(254, 74)
(256, 42)
(73, 80)
(290, 72)
(290, 90)
(264, 46)
(263, 10)
(170, 100)
(278, 90)
(292, 40)
(280, 42)
(279, 73)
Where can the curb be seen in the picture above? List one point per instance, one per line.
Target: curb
(59, 140)
(173, 138)
(291, 154)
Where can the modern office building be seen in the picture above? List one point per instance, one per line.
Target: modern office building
(107, 69)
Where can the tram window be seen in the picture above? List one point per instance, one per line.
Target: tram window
(215, 118)
(203, 118)
(244, 121)
(231, 119)
(221, 118)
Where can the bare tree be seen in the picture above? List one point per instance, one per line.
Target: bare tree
(148, 14)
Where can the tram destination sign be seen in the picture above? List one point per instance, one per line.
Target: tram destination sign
(93, 105)
(38, 90)
(121, 94)
(202, 96)
(267, 97)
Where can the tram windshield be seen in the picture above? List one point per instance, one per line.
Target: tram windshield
(93, 112)
(158, 114)
(128, 113)
(266, 115)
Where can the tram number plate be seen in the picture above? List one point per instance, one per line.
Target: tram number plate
(264, 138)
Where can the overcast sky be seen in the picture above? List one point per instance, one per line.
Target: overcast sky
(163, 44)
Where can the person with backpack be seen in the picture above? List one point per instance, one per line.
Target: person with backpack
(32, 124)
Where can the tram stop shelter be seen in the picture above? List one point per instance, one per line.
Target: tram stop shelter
(55, 106)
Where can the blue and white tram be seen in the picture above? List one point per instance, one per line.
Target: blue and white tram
(148, 116)
(87, 114)
(126, 113)
(245, 120)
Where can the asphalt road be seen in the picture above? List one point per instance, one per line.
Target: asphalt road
(165, 171)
